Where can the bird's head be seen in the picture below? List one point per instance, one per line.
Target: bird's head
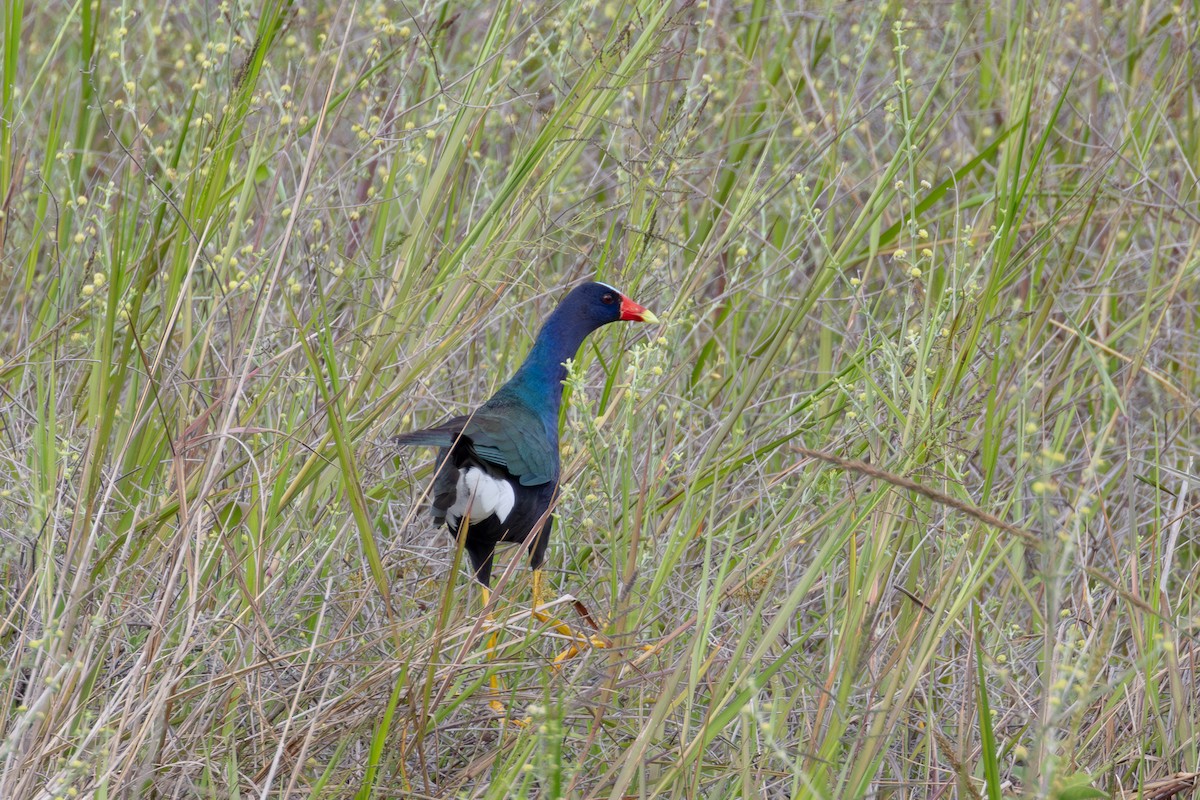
(584, 309)
(595, 304)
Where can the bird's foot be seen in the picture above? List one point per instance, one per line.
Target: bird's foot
(501, 710)
(579, 640)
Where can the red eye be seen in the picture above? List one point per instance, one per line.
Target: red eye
(608, 299)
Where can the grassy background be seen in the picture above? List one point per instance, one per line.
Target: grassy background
(954, 246)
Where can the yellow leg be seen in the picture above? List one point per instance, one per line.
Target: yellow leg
(493, 681)
(578, 640)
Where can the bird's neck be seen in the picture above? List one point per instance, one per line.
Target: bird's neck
(538, 382)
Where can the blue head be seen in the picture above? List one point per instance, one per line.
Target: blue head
(584, 309)
(590, 305)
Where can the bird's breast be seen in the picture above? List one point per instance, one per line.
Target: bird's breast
(480, 495)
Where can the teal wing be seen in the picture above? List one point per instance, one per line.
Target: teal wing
(518, 439)
(508, 436)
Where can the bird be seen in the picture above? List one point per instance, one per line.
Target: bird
(498, 468)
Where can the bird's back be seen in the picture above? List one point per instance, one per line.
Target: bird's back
(498, 470)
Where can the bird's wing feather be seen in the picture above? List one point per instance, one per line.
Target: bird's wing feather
(443, 435)
(516, 438)
(508, 436)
